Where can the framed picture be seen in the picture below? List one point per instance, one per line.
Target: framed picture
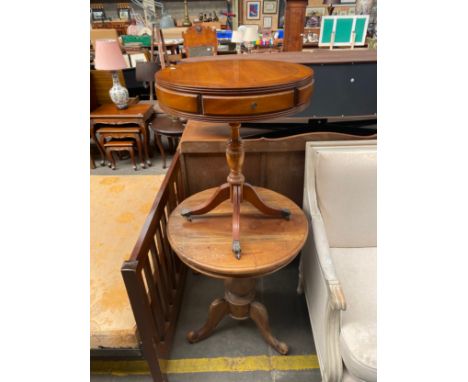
(98, 15)
(253, 10)
(267, 21)
(314, 16)
(269, 7)
(124, 13)
(318, 11)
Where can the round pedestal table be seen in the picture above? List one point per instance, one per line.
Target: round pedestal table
(268, 245)
(234, 91)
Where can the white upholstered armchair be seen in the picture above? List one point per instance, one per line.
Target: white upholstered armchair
(338, 263)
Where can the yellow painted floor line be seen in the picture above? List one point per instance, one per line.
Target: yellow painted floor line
(211, 365)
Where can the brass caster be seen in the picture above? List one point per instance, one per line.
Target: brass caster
(285, 213)
(186, 213)
(236, 249)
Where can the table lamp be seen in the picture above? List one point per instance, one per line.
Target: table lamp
(238, 38)
(249, 36)
(330, 4)
(109, 57)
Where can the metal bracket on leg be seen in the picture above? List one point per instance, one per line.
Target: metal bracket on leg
(186, 213)
(236, 249)
(285, 213)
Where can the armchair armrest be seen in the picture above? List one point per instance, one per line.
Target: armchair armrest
(337, 298)
(322, 248)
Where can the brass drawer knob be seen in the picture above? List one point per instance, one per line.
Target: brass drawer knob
(253, 105)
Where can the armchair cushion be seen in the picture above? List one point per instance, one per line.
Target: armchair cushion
(356, 268)
(346, 186)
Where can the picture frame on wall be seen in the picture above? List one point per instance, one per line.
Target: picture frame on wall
(253, 10)
(270, 7)
(124, 14)
(314, 16)
(267, 21)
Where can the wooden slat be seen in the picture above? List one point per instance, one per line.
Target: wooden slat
(155, 301)
(159, 284)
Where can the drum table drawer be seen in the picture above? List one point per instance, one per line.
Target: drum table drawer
(178, 101)
(245, 105)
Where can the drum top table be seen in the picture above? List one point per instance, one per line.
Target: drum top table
(234, 91)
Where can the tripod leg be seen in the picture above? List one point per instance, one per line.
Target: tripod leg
(221, 194)
(236, 201)
(259, 315)
(218, 309)
(251, 196)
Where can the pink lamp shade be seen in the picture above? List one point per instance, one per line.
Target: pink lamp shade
(108, 55)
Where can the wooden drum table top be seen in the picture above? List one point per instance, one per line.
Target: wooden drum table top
(268, 245)
(234, 90)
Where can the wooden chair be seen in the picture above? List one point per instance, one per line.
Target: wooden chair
(200, 41)
(172, 128)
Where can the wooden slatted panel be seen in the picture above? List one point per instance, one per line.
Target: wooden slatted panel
(154, 276)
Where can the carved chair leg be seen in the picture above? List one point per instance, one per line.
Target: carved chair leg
(259, 315)
(157, 140)
(219, 308)
(236, 201)
(220, 195)
(132, 157)
(251, 196)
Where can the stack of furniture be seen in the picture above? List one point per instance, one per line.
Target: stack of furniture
(112, 140)
(126, 123)
(338, 263)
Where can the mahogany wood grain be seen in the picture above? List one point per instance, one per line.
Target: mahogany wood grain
(177, 100)
(233, 90)
(233, 75)
(259, 104)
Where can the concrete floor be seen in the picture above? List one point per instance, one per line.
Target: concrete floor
(287, 311)
(288, 320)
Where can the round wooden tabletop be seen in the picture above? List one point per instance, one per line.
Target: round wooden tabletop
(234, 90)
(234, 75)
(268, 244)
